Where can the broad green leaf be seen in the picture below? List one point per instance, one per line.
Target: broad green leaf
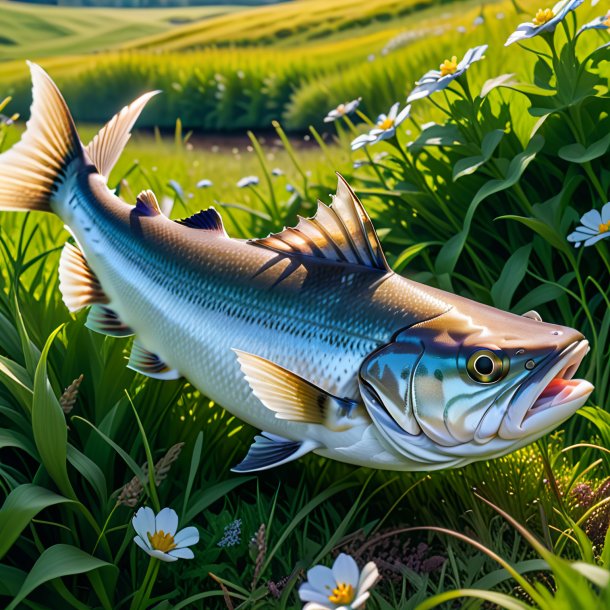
(90, 470)
(49, 425)
(543, 229)
(577, 153)
(55, 562)
(598, 576)
(408, 254)
(195, 459)
(19, 508)
(12, 438)
(449, 254)
(469, 165)
(437, 135)
(11, 580)
(538, 296)
(498, 81)
(18, 382)
(512, 275)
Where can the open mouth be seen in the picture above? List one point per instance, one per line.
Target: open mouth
(558, 387)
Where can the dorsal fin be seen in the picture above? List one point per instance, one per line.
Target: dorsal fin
(147, 204)
(341, 232)
(106, 147)
(208, 220)
(78, 283)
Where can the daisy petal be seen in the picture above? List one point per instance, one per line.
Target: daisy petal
(314, 606)
(143, 545)
(368, 577)
(606, 212)
(594, 240)
(402, 115)
(167, 520)
(187, 537)
(144, 522)
(321, 578)
(345, 570)
(591, 219)
(308, 594)
(360, 600)
(182, 553)
(162, 556)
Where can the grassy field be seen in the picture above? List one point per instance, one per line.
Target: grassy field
(330, 52)
(33, 30)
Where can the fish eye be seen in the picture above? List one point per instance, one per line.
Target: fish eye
(486, 366)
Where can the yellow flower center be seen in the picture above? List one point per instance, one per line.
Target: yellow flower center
(160, 541)
(606, 21)
(449, 66)
(342, 594)
(387, 123)
(542, 16)
(341, 108)
(604, 227)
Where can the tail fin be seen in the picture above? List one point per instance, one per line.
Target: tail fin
(33, 170)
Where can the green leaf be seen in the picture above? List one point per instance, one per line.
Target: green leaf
(18, 382)
(449, 254)
(57, 561)
(498, 81)
(90, 470)
(469, 165)
(408, 254)
(437, 135)
(543, 229)
(19, 508)
(11, 580)
(49, 425)
(207, 497)
(577, 153)
(11, 438)
(512, 275)
(598, 576)
(538, 296)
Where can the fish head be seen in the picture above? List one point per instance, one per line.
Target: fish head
(473, 383)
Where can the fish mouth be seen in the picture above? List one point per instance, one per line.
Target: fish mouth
(551, 395)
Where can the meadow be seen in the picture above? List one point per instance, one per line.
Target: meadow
(475, 192)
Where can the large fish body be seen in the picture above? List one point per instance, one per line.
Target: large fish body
(306, 335)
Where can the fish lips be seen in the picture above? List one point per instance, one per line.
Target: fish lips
(549, 395)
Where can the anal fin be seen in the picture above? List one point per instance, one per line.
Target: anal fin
(78, 283)
(269, 450)
(145, 362)
(293, 398)
(105, 321)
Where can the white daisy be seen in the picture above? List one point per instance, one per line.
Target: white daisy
(157, 535)
(384, 128)
(342, 586)
(248, 181)
(594, 226)
(342, 110)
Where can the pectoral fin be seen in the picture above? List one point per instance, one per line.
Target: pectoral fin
(145, 362)
(269, 450)
(295, 399)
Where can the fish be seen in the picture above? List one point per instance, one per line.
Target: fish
(306, 334)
